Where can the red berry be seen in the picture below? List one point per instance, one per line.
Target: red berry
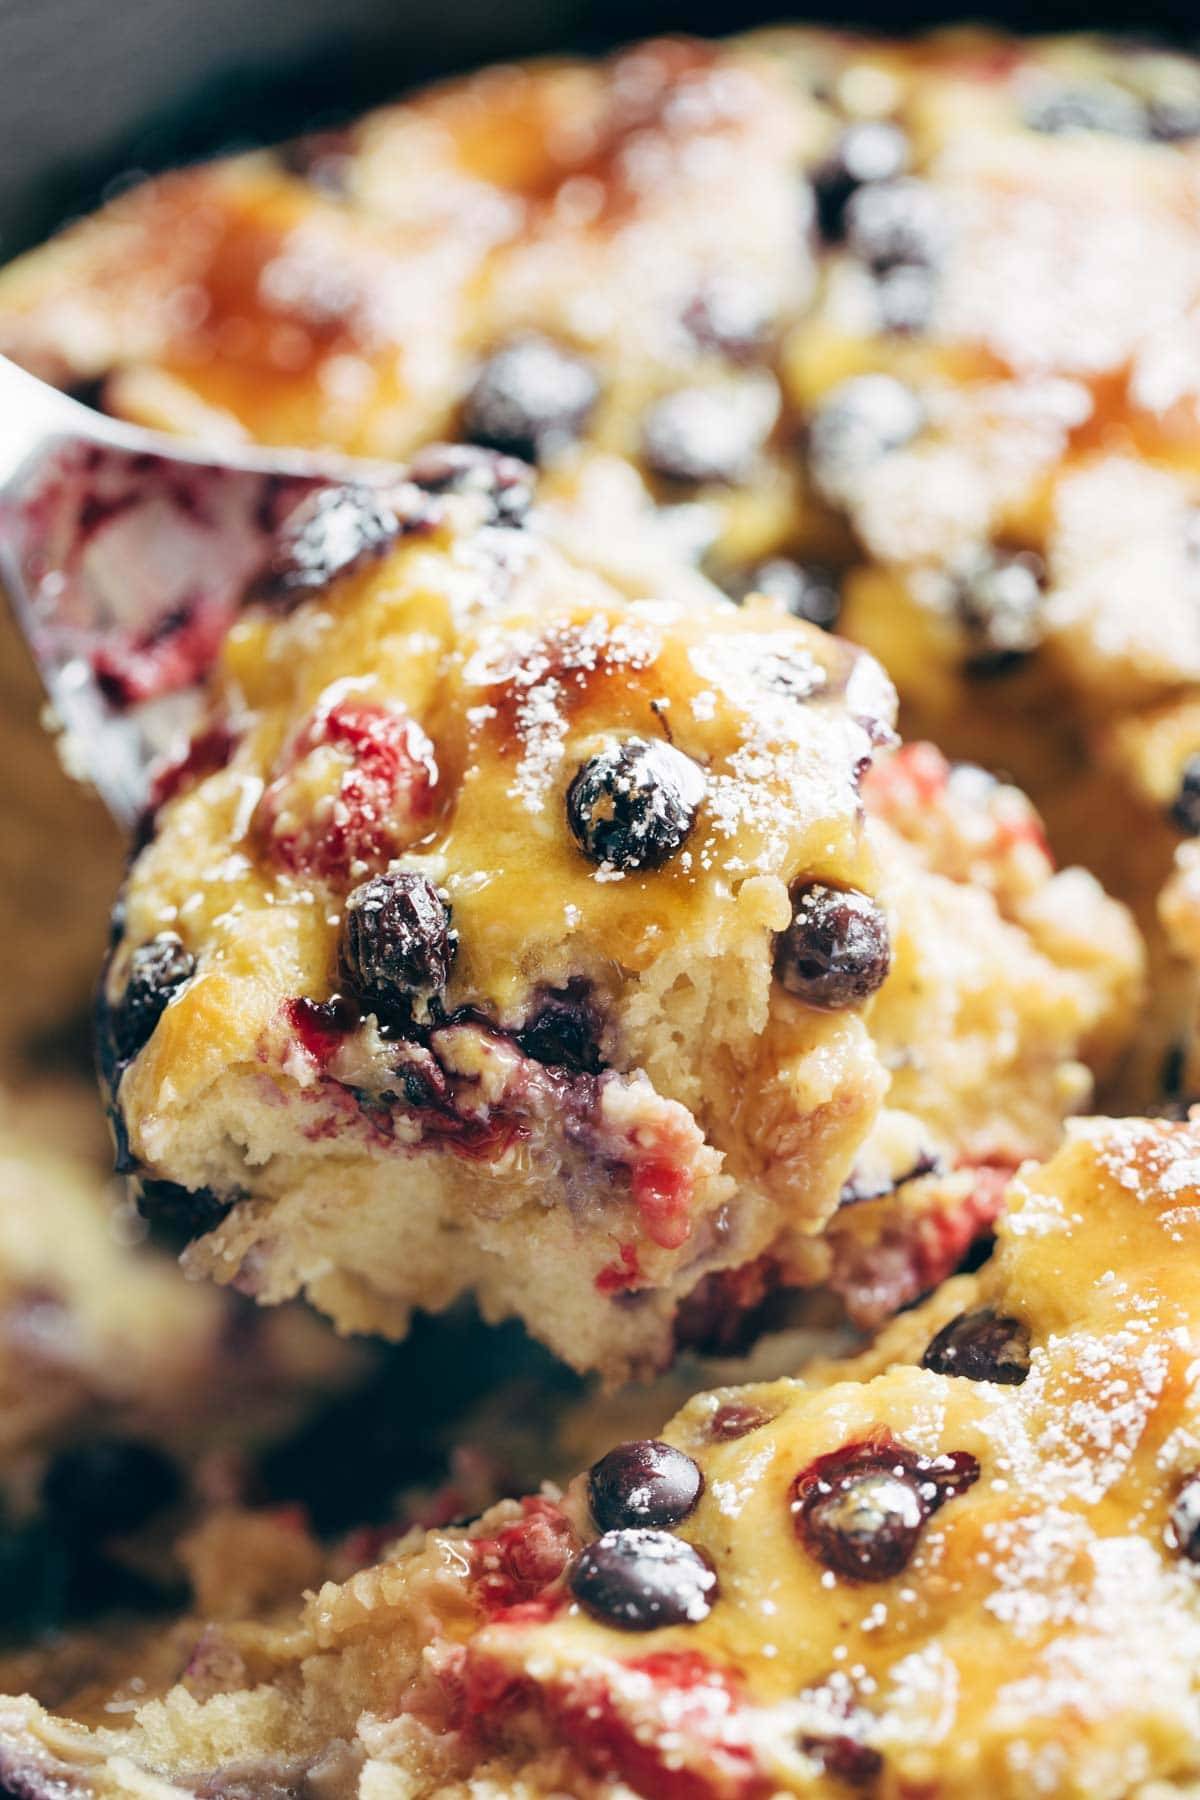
(860, 1510)
(736, 1419)
(356, 789)
(522, 1565)
(844, 1759)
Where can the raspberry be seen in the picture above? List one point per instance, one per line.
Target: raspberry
(522, 1566)
(357, 788)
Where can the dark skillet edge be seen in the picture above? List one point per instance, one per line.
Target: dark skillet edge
(95, 97)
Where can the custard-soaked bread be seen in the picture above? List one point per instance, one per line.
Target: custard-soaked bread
(920, 1571)
(532, 940)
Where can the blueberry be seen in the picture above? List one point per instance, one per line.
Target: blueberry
(868, 151)
(157, 972)
(981, 1346)
(894, 223)
(633, 806)
(860, 1511)
(999, 602)
(1101, 107)
(898, 230)
(844, 1759)
(1172, 1077)
(643, 1482)
(503, 481)
(904, 300)
(837, 951)
(397, 942)
(736, 1419)
(530, 399)
(641, 1580)
(859, 423)
(564, 1030)
(729, 314)
(810, 591)
(1185, 808)
(698, 435)
(1183, 1525)
(178, 1215)
(108, 1485)
(89, 391)
(116, 922)
(327, 535)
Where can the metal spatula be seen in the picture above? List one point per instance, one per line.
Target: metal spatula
(125, 554)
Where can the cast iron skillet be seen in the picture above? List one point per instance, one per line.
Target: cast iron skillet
(94, 90)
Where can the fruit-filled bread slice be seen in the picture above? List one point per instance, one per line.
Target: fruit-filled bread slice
(500, 932)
